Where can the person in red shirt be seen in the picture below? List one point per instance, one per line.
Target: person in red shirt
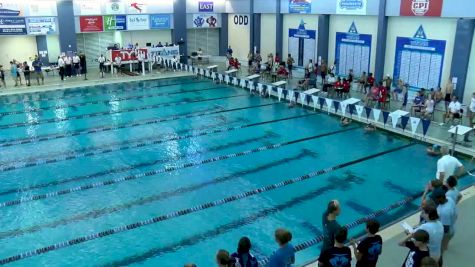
(236, 65)
(282, 72)
(369, 83)
(383, 95)
(338, 87)
(277, 58)
(346, 87)
(231, 63)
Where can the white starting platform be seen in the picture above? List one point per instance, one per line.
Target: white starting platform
(399, 113)
(279, 83)
(212, 67)
(252, 77)
(312, 91)
(231, 72)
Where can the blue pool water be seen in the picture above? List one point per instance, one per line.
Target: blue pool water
(85, 160)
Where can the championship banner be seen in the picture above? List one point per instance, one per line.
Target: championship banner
(205, 21)
(12, 26)
(115, 7)
(91, 24)
(10, 9)
(138, 22)
(428, 8)
(352, 52)
(300, 6)
(88, 7)
(42, 26)
(302, 43)
(128, 54)
(351, 7)
(115, 23)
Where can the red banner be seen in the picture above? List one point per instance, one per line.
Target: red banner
(91, 24)
(128, 54)
(429, 8)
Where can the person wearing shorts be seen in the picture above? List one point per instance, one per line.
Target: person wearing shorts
(290, 64)
(101, 61)
(454, 109)
(449, 90)
(38, 71)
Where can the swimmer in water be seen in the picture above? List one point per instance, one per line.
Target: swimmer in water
(345, 121)
(370, 128)
(434, 150)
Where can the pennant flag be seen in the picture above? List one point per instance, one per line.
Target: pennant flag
(285, 92)
(315, 101)
(243, 83)
(308, 98)
(207, 73)
(359, 110)
(425, 126)
(329, 103)
(296, 96)
(220, 77)
(385, 117)
(302, 98)
(260, 87)
(321, 101)
(368, 111)
(336, 104)
(235, 81)
(376, 114)
(290, 95)
(226, 79)
(343, 105)
(352, 109)
(279, 93)
(394, 119)
(404, 121)
(414, 123)
(251, 86)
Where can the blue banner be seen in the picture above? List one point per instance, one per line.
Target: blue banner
(12, 26)
(352, 52)
(161, 21)
(300, 6)
(419, 61)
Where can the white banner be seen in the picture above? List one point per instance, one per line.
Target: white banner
(138, 22)
(114, 7)
(414, 123)
(41, 26)
(351, 7)
(205, 21)
(376, 114)
(88, 7)
(42, 8)
(359, 110)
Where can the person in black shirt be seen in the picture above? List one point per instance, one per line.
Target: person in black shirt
(339, 255)
(417, 244)
(26, 73)
(83, 63)
(2, 77)
(369, 249)
(330, 225)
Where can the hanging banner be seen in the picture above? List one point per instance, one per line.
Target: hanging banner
(42, 25)
(359, 110)
(352, 52)
(115, 7)
(138, 22)
(302, 43)
(10, 9)
(91, 24)
(419, 61)
(428, 8)
(300, 6)
(414, 123)
(137, 7)
(12, 26)
(88, 7)
(128, 54)
(160, 21)
(376, 114)
(205, 21)
(42, 8)
(115, 23)
(351, 7)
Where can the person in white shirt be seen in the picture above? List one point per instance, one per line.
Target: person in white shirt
(68, 65)
(447, 165)
(76, 61)
(454, 110)
(471, 111)
(61, 67)
(101, 61)
(174, 63)
(428, 107)
(310, 66)
(118, 65)
(434, 227)
(447, 211)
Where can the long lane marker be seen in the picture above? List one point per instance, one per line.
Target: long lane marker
(125, 145)
(107, 102)
(175, 214)
(164, 170)
(96, 114)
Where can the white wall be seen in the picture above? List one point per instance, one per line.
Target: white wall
(16, 47)
(292, 21)
(143, 37)
(435, 28)
(268, 34)
(239, 37)
(470, 82)
(364, 25)
(53, 47)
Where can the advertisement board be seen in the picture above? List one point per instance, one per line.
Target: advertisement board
(160, 21)
(428, 8)
(351, 7)
(91, 24)
(205, 21)
(42, 25)
(138, 22)
(12, 26)
(115, 23)
(300, 6)
(128, 54)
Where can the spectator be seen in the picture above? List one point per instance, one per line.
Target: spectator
(447, 165)
(417, 248)
(310, 65)
(433, 227)
(369, 249)
(2, 77)
(329, 224)
(223, 259)
(14, 72)
(454, 110)
(285, 255)
(76, 65)
(230, 52)
(419, 101)
(38, 71)
(83, 63)
(369, 83)
(243, 257)
(339, 255)
(448, 91)
(471, 111)
(428, 109)
(68, 65)
(26, 73)
(61, 67)
(452, 191)
(290, 64)
(282, 72)
(447, 211)
(323, 71)
(101, 61)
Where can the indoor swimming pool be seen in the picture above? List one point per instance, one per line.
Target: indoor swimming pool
(166, 172)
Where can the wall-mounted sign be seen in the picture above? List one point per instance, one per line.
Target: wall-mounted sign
(138, 22)
(12, 26)
(42, 8)
(430, 8)
(91, 24)
(352, 52)
(160, 21)
(41, 25)
(419, 60)
(10, 9)
(88, 7)
(205, 21)
(302, 44)
(241, 20)
(115, 7)
(128, 54)
(137, 7)
(168, 51)
(205, 6)
(300, 6)
(351, 7)
(115, 23)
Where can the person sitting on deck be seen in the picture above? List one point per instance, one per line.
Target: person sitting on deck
(282, 72)
(303, 84)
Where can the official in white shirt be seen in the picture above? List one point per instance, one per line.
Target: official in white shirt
(471, 110)
(448, 165)
(76, 61)
(118, 65)
(454, 110)
(61, 67)
(101, 61)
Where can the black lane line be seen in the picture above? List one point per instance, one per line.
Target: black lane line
(92, 92)
(96, 114)
(236, 224)
(180, 213)
(106, 102)
(159, 171)
(150, 199)
(267, 135)
(129, 144)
